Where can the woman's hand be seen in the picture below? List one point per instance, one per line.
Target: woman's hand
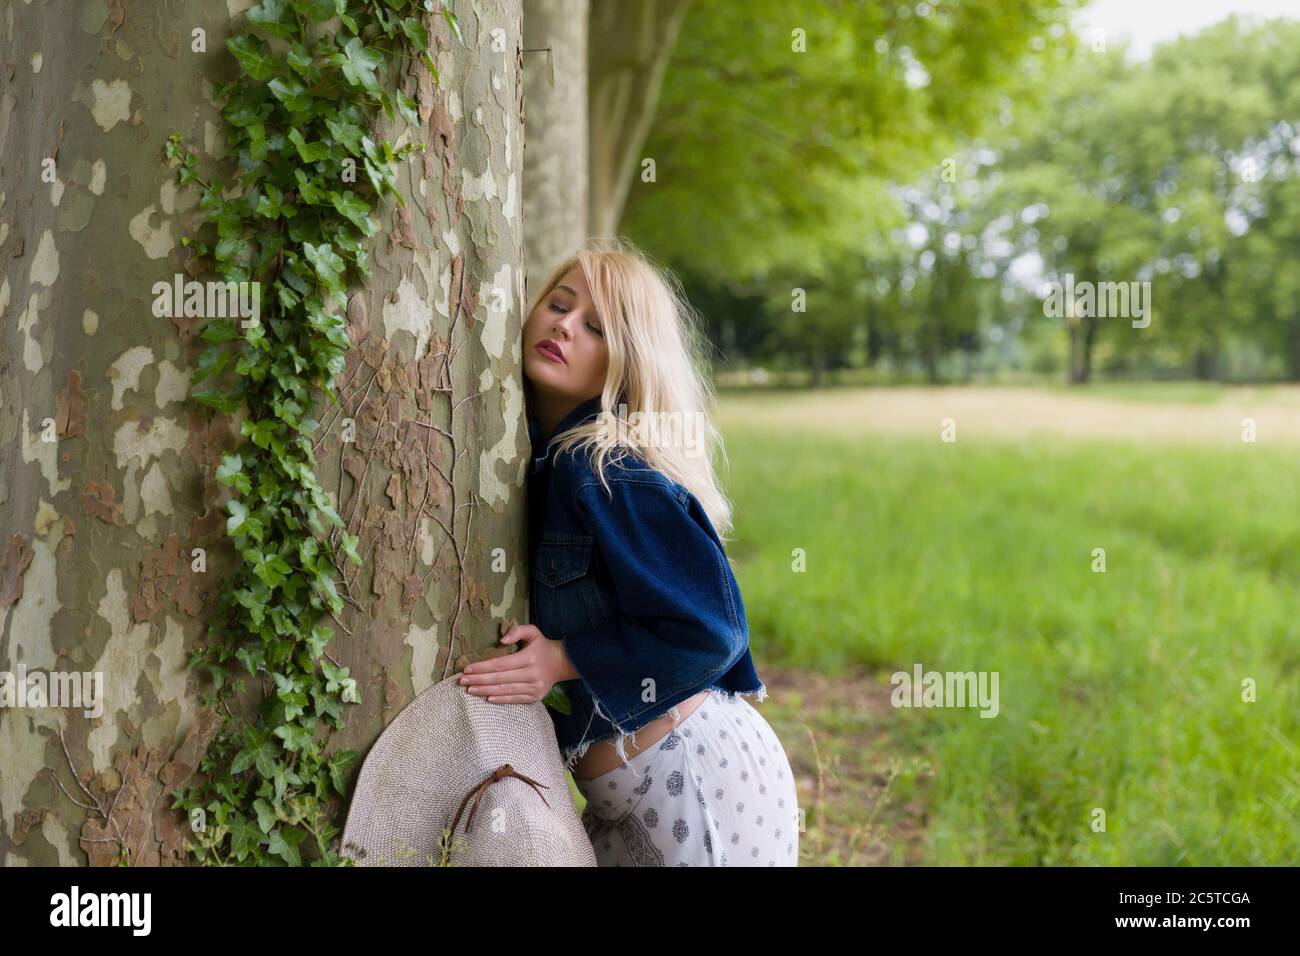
(524, 677)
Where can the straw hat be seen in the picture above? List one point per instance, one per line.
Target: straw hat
(491, 770)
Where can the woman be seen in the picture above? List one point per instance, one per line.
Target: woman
(638, 615)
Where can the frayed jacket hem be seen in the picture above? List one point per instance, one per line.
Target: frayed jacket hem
(620, 737)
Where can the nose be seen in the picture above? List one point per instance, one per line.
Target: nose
(562, 323)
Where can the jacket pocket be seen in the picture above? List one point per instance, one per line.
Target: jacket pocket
(567, 597)
(561, 559)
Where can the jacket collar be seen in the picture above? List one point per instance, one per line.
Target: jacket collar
(578, 416)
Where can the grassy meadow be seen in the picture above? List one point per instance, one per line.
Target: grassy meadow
(1119, 691)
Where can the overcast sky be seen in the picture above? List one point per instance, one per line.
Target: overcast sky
(1151, 21)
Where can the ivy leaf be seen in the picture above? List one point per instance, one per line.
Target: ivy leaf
(309, 190)
(272, 569)
(220, 400)
(453, 23)
(308, 152)
(261, 756)
(338, 767)
(269, 15)
(336, 678)
(295, 737)
(293, 278)
(261, 432)
(241, 522)
(254, 55)
(356, 209)
(359, 64)
(408, 108)
(211, 361)
(303, 63)
(307, 550)
(325, 586)
(416, 33)
(328, 264)
(230, 249)
(317, 639)
(347, 133)
(348, 546)
(284, 844)
(271, 205)
(292, 93)
(238, 516)
(244, 838)
(283, 778)
(231, 472)
(219, 330)
(316, 10)
(558, 700)
(266, 816)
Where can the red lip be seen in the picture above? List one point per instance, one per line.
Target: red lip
(551, 351)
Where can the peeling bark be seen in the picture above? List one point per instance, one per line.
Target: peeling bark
(78, 373)
(427, 457)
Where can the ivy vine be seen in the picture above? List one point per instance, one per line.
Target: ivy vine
(310, 172)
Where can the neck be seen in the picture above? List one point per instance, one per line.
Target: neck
(551, 410)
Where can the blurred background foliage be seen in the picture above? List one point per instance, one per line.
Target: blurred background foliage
(921, 171)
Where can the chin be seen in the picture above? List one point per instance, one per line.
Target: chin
(535, 364)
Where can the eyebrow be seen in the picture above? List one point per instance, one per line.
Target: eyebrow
(575, 295)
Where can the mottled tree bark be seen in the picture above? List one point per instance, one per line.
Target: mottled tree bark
(555, 123)
(107, 480)
(441, 506)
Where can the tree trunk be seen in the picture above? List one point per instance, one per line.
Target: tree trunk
(445, 308)
(1083, 333)
(1293, 347)
(873, 338)
(1205, 363)
(555, 124)
(631, 44)
(817, 364)
(99, 525)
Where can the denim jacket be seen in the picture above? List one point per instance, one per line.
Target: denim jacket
(636, 584)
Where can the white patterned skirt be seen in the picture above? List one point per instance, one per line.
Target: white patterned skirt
(717, 790)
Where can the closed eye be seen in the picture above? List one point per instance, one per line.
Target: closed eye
(596, 330)
(556, 308)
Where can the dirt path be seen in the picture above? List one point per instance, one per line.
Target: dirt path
(1011, 412)
(849, 772)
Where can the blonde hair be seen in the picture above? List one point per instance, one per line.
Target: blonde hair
(657, 363)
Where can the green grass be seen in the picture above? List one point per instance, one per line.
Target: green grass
(1118, 690)
(1199, 393)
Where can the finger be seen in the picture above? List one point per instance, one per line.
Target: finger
(517, 633)
(506, 662)
(492, 674)
(489, 683)
(499, 689)
(513, 699)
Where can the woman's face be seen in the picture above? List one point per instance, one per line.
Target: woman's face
(566, 316)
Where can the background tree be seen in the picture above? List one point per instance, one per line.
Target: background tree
(556, 131)
(776, 135)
